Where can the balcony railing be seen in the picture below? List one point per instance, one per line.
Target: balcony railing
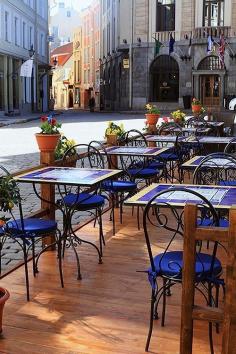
(197, 33)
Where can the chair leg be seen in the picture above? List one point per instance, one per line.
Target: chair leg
(26, 271)
(164, 303)
(101, 236)
(60, 261)
(35, 268)
(210, 327)
(153, 299)
(217, 305)
(138, 217)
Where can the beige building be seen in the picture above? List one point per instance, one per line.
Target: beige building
(23, 34)
(76, 79)
(136, 65)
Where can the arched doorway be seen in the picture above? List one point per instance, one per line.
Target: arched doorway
(211, 74)
(71, 99)
(164, 79)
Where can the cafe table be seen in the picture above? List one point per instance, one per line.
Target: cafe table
(214, 162)
(221, 197)
(61, 177)
(135, 151)
(208, 139)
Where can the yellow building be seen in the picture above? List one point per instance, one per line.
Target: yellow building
(76, 77)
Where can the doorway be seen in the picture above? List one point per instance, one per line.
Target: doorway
(210, 90)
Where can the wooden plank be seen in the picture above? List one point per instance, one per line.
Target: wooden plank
(186, 331)
(229, 326)
(213, 234)
(107, 312)
(206, 313)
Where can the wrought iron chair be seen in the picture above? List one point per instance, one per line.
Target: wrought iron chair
(138, 167)
(118, 190)
(231, 147)
(167, 265)
(26, 232)
(77, 200)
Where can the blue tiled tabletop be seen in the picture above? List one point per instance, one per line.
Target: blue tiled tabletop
(67, 176)
(220, 197)
(135, 151)
(216, 162)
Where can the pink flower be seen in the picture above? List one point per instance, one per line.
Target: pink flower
(44, 118)
(53, 121)
(165, 119)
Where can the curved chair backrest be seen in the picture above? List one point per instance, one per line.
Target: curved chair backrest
(86, 156)
(170, 128)
(216, 168)
(133, 137)
(231, 147)
(195, 122)
(159, 214)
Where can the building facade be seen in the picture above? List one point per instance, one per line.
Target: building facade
(90, 84)
(77, 67)
(63, 22)
(137, 61)
(23, 26)
(62, 78)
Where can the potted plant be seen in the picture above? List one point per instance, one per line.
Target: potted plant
(196, 106)
(63, 145)
(152, 114)
(178, 116)
(113, 132)
(49, 136)
(9, 196)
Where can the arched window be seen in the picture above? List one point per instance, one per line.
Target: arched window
(210, 63)
(164, 79)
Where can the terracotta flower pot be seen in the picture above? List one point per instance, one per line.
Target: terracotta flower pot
(4, 296)
(152, 119)
(196, 108)
(47, 142)
(112, 139)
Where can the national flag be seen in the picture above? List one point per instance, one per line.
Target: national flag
(190, 47)
(210, 42)
(171, 44)
(158, 45)
(222, 51)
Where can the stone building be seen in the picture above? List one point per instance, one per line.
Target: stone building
(90, 53)
(136, 66)
(23, 26)
(77, 67)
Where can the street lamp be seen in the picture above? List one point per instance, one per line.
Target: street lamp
(31, 54)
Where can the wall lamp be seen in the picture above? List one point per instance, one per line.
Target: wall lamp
(232, 56)
(125, 41)
(31, 51)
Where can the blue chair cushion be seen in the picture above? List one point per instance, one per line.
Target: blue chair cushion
(208, 222)
(169, 156)
(83, 201)
(143, 173)
(119, 186)
(172, 263)
(32, 226)
(227, 183)
(156, 164)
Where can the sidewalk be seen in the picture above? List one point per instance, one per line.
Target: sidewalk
(8, 120)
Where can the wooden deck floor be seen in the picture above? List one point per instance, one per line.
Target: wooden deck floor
(106, 312)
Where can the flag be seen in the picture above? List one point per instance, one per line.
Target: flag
(222, 51)
(171, 44)
(26, 68)
(210, 42)
(158, 45)
(190, 47)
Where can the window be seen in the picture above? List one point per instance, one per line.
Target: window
(30, 37)
(213, 13)
(16, 34)
(7, 26)
(68, 14)
(24, 34)
(210, 63)
(165, 16)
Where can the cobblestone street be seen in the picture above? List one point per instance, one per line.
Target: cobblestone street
(18, 150)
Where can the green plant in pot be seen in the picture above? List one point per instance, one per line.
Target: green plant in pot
(49, 136)
(113, 132)
(9, 197)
